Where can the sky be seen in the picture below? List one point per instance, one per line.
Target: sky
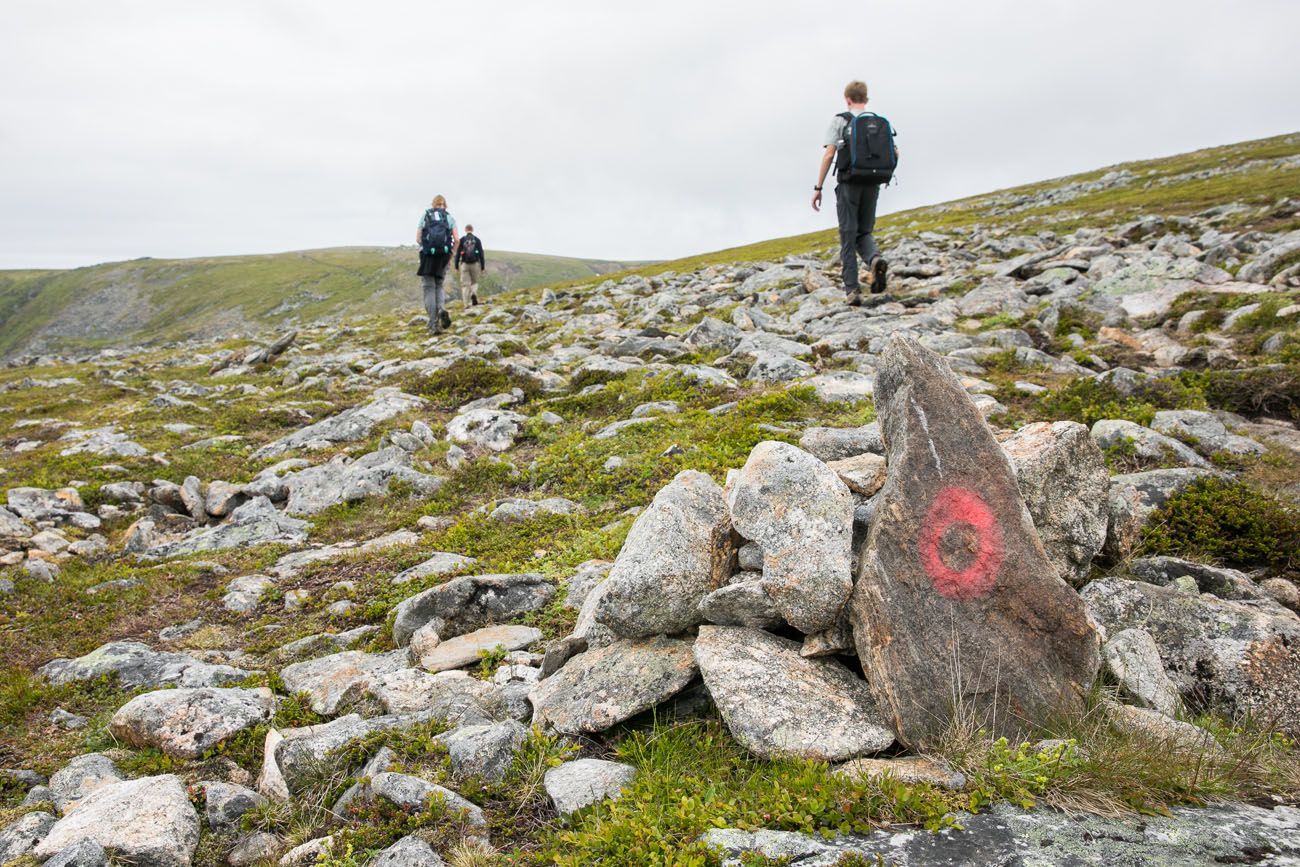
(172, 128)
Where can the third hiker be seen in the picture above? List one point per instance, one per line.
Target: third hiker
(470, 263)
(862, 146)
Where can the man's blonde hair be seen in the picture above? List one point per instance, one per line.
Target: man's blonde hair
(856, 91)
(439, 202)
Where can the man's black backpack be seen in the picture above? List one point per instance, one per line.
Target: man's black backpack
(866, 153)
(469, 249)
(436, 235)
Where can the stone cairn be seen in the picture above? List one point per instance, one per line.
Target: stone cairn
(956, 607)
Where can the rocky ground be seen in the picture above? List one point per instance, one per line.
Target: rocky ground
(692, 567)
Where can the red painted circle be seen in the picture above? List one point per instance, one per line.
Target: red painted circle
(953, 507)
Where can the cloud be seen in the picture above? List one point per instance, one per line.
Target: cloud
(584, 128)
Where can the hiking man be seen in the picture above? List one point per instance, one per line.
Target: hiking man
(862, 146)
(469, 265)
(437, 237)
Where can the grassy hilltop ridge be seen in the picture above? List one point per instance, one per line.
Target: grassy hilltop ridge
(158, 300)
(1245, 173)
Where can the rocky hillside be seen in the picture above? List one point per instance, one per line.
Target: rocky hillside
(693, 565)
(155, 301)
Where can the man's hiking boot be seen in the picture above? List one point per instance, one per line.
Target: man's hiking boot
(879, 278)
(444, 319)
(473, 299)
(853, 298)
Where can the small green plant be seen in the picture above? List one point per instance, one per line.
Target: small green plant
(693, 776)
(488, 660)
(1022, 773)
(341, 856)
(467, 379)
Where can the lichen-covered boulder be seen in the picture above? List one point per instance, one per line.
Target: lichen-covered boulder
(603, 687)
(1063, 479)
(188, 722)
(1241, 657)
(677, 552)
(778, 704)
(801, 514)
(148, 821)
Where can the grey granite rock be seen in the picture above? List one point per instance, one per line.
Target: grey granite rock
(778, 704)
(603, 687)
(187, 723)
(149, 821)
(137, 665)
(466, 603)
(797, 509)
(583, 782)
(678, 551)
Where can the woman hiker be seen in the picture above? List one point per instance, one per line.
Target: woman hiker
(437, 237)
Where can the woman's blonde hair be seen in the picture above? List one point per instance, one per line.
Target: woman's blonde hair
(439, 202)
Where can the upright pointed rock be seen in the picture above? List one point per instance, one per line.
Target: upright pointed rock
(957, 608)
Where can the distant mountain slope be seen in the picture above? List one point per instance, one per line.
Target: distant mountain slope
(149, 300)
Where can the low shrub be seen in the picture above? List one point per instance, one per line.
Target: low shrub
(1272, 390)
(468, 379)
(1228, 522)
(1090, 400)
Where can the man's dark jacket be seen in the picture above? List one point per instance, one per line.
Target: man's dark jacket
(463, 247)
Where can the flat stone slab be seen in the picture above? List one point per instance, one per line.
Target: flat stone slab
(340, 677)
(464, 650)
(955, 594)
(439, 564)
(906, 769)
(348, 426)
(603, 687)
(343, 480)
(778, 704)
(188, 722)
(452, 696)
(469, 602)
(1231, 834)
(138, 665)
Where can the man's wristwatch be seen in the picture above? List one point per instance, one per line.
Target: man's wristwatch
(817, 189)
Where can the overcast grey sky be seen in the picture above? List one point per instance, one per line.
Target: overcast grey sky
(649, 130)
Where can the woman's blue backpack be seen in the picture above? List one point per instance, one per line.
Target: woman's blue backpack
(436, 235)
